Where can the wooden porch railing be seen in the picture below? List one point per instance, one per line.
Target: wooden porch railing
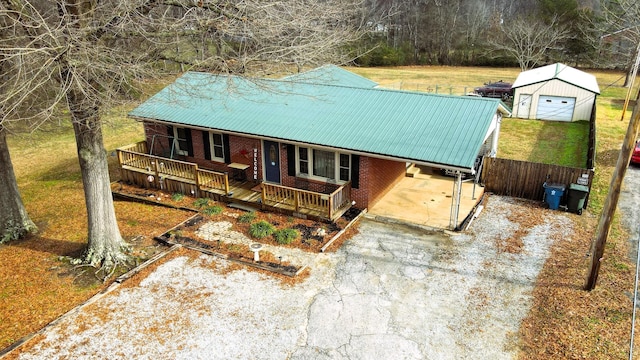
(139, 147)
(163, 168)
(329, 204)
(181, 174)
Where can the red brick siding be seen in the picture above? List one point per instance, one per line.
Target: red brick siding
(377, 176)
(161, 146)
(241, 149)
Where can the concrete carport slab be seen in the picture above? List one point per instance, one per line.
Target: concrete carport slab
(426, 199)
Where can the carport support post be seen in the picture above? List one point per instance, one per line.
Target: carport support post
(604, 225)
(455, 203)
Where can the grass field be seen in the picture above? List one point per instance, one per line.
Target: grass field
(35, 289)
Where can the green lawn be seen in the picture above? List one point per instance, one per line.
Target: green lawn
(547, 142)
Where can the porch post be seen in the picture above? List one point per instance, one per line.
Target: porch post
(226, 184)
(495, 137)
(119, 152)
(156, 170)
(455, 202)
(197, 179)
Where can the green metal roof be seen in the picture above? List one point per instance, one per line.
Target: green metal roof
(332, 75)
(412, 126)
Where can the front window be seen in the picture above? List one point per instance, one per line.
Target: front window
(303, 156)
(323, 165)
(217, 147)
(180, 135)
(345, 167)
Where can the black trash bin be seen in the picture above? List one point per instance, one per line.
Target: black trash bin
(577, 195)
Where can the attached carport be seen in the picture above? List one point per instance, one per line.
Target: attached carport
(427, 199)
(441, 195)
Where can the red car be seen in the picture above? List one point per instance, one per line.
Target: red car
(635, 157)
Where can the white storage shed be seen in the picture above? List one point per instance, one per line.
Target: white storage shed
(555, 92)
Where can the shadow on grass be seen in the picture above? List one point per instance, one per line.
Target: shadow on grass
(607, 158)
(51, 246)
(562, 143)
(64, 170)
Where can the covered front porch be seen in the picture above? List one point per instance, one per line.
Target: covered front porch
(139, 168)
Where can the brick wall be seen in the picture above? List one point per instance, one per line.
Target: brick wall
(161, 146)
(377, 176)
(247, 151)
(241, 150)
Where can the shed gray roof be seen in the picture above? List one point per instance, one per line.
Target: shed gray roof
(561, 72)
(411, 126)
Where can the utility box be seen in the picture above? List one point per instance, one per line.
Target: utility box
(553, 194)
(576, 198)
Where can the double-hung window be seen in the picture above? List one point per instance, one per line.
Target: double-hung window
(323, 165)
(217, 146)
(181, 136)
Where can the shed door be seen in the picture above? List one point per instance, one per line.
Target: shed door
(524, 106)
(555, 108)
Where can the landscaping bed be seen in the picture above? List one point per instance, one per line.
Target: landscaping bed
(269, 229)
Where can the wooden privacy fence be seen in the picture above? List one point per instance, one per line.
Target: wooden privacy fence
(524, 179)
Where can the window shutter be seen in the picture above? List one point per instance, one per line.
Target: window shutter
(187, 132)
(227, 149)
(291, 160)
(207, 145)
(355, 171)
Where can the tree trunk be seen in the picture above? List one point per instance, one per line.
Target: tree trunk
(14, 219)
(105, 244)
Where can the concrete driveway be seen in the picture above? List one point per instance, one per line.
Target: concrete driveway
(388, 293)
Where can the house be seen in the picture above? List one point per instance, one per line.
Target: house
(555, 92)
(332, 75)
(314, 148)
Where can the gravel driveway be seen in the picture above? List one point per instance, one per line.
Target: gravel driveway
(389, 293)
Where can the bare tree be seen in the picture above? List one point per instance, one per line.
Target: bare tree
(14, 217)
(14, 88)
(617, 29)
(476, 22)
(529, 41)
(95, 51)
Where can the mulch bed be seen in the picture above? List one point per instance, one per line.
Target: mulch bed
(313, 235)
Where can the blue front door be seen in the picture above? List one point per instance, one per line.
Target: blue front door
(272, 161)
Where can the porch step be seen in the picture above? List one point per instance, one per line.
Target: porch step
(242, 207)
(412, 171)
